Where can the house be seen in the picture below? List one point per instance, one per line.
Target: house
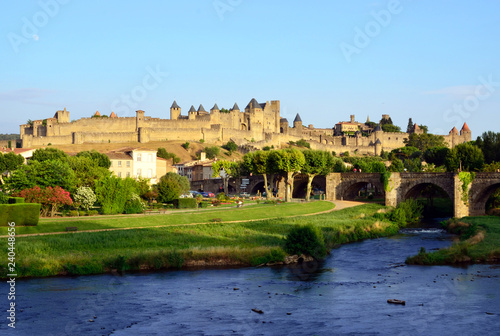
(26, 153)
(135, 163)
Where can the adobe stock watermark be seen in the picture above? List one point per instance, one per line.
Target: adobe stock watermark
(31, 26)
(459, 112)
(128, 103)
(223, 6)
(364, 36)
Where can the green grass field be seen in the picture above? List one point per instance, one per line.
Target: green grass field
(260, 211)
(245, 243)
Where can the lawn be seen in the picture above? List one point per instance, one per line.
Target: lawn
(244, 243)
(260, 211)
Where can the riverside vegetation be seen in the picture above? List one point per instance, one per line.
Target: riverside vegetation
(242, 244)
(479, 243)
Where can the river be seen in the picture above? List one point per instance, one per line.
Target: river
(344, 295)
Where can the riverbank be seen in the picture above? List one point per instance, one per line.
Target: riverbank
(242, 244)
(479, 243)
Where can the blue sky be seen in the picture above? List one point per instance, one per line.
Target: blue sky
(434, 61)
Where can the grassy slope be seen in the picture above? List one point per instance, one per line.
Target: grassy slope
(479, 243)
(260, 211)
(246, 243)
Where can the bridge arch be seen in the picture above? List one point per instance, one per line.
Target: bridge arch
(300, 185)
(353, 183)
(483, 186)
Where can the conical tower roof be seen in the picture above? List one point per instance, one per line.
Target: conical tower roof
(465, 128)
(236, 107)
(97, 114)
(174, 105)
(201, 109)
(215, 107)
(113, 115)
(253, 104)
(192, 109)
(454, 131)
(297, 118)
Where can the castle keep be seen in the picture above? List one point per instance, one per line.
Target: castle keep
(259, 125)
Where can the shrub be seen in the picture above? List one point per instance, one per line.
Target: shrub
(92, 213)
(135, 205)
(202, 140)
(73, 213)
(4, 199)
(306, 240)
(230, 146)
(19, 213)
(113, 193)
(212, 152)
(303, 143)
(16, 200)
(82, 213)
(185, 145)
(50, 198)
(85, 197)
(221, 196)
(185, 203)
(407, 212)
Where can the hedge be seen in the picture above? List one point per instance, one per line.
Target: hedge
(16, 200)
(20, 213)
(185, 203)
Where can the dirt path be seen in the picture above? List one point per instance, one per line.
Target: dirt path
(339, 205)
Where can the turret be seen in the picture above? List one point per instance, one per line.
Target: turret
(235, 108)
(284, 126)
(192, 113)
(378, 147)
(139, 119)
(175, 111)
(297, 123)
(353, 118)
(201, 110)
(113, 115)
(465, 129)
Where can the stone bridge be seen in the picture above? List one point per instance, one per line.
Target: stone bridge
(402, 186)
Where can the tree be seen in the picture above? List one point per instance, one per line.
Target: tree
(317, 162)
(230, 146)
(436, 155)
(225, 170)
(212, 152)
(396, 165)
(288, 162)
(162, 153)
(171, 186)
(410, 126)
(50, 173)
(85, 197)
(185, 145)
(46, 154)
(425, 141)
(102, 160)
(50, 198)
(10, 162)
(113, 193)
(87, 171)
(258, 163)
(391, 128)
(489, 143)
(464, 157)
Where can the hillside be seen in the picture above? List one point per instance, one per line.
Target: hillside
(171, 146)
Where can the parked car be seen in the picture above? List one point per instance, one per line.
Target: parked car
(208, 194)
(188, 195)
(244, 194)
(194, 193)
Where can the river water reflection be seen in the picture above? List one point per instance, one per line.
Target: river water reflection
(345, 295)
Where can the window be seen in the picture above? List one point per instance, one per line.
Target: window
(119, 163)
(139, 158)
(128, 164)
(150, 173)
(128, 174)
(120, 174)
(139, 172)
(150, 158)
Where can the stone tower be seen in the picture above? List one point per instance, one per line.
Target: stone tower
(297, 123)
(62, 116)
(175, 111)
